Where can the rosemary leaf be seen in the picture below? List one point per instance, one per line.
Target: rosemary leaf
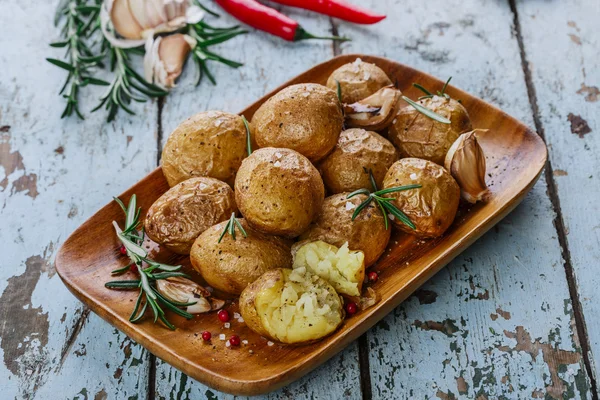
(426, 111)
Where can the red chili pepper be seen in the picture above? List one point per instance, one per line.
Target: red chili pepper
(337, 9)
(268, 19)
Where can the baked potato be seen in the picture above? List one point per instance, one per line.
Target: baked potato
(210, 143)
(344, 269)
(358, 80)
(357, 151)
(291, 306)
(279, 191)
(306, 117)
(231, 265)
(186, 210)
(417, 135)
(432, 207)
(334, 225)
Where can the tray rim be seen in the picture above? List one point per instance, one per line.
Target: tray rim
(314, 359)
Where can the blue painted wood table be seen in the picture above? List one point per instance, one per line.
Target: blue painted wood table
(516, 316)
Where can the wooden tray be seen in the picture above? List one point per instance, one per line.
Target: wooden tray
(515, 158)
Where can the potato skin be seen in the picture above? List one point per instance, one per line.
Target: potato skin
(305, 117)
(279, 191)
(334, 225)
(358, 80)
(416, 135)
(248, 298)
(431, 208)
(343, 170)
(232, 265)
(186, 210)
(210, 143)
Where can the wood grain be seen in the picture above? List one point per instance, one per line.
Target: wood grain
(516, 156)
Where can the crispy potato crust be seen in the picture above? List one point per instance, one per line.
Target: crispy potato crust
(358, 80)
(232, 265)
(186, 210)
(210, 143)
(431, 208)
(334, 225)
(279, 191)
(306, 118)
(291, 306)
(417, 135)
(357, 151)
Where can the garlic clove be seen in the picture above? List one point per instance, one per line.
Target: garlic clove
(172, 53)
(216, 304)
(124, 21)
(138, 10)
(367, 299)
(183, 290)
(465, 161)
(375, 112)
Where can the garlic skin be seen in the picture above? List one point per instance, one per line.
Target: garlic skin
(164, 58)
(183, 290)
(465, 161)
(137, 20)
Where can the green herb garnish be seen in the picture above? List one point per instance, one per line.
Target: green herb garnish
(248, 138)
(133, 240)
(230, 228)
(426, 111)
(384, 203)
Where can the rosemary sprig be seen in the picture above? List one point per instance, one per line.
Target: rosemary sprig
(248, 138)
(230, 228)
(149, 294)
(80, 59)
(206, 36)
(384, 203)
(426, 111)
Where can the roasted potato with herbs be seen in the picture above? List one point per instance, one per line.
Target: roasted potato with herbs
(291, 306)
(186, 210)
(432, 207)
(306, 118)
(358, 80)
(210, 143)
(231, 265)
(334, 225)
(344, 269)
(279, 191)
(417, 135)
(357, 151)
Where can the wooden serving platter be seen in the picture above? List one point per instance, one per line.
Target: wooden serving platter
(515, 158)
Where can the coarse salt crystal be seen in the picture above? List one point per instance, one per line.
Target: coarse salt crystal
(240, 320)
(350, 206)
(236, 315)
(277, 164)
(244, 342)
(222, 336)
(366, 76)
(218, 122)
(278, 155)
(203, 186)
(391, 216)
(413, 176)
(228, 344)
(394, 121)
(306, 94)
(269, 343)
(227, 325)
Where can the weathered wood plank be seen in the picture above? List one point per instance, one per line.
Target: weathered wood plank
(54, 174)
(497, 323)
(268, 62)
(565, 71)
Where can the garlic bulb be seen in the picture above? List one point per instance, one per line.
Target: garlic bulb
(165, 57)
(466, 162)
(138, 20)
(183, 290)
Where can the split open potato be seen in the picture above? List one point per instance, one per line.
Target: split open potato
(342, 268)
(291, 306)
(186, 210)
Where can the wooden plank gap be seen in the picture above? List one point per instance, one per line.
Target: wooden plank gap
(159, 129)
(365, 369)
(335, 44)
(558, 219)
